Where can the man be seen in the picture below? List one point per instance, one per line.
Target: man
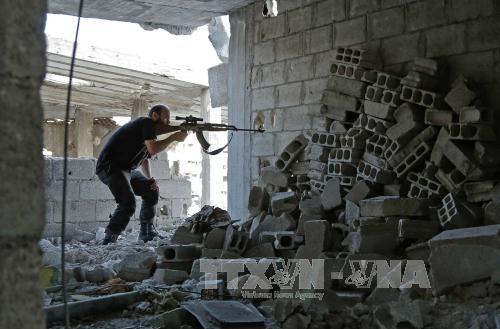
(131, 146)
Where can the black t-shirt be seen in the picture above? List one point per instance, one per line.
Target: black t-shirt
(125, 150)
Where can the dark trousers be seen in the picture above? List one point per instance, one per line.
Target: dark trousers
(125, 185)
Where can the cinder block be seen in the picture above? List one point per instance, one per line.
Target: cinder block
(460, 96)
(459, 153)
(437, 154)
(326, 139)
(258, 200)
(284, 202)
(53, 191)
(235, 241)
(386, 206)
(215, 239)
(420, 80)
(318, 153)
(438, 117)
(425, 135)
(417, 229)
(337, 128)
(303, 183)
(474, 114)
(95, 190)
(492, 213)
(402, 133)
(479, 191)
(317, 234)
(351, 213)
(76, 211)
(374, 94)
(316, 175)
(379, 110)
(77, 168)
(331, 197)
(317, 185)
(472, 131)
(318, 166)
(408, 111)
(341, 169)
(347, 86)
(377, 144)
(370, 76)
(362, 190)
(387, 81)
(391, 98)
(373, 174)
(286, 240)
(178, 253)
(311, 206)
(357, 57)
(455, 213)
(425, 183)
(347, 181)
(291, 152)
(274, 176)
(422, 97)
(345, 155)
(416, 157)
(347, 71)
(340, 101)
(372, 124)
(300, 168)
(380, 238)
(425, 65)
(355, 138)
(487, 154)
(452, 180)
(375, 161)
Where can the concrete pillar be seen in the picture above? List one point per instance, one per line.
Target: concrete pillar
(22, 69)
(84, 124)
(212, 171)
(240, 49)
(140, 107)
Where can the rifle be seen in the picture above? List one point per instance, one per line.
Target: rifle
(191, 123)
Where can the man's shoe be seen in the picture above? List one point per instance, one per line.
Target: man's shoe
(110, 237)
(147, 232)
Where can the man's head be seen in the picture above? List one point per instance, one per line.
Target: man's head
(160, 114)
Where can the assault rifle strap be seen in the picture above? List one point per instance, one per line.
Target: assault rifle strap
(206, 145)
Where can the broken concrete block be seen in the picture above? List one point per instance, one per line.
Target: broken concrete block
(408, 111)
(337, 128)
(373, 124)
(291, 152)
(391, 98)
(362, 190)
(236, 241)
(425, 65)
(311, 206)
(165, 276)
(318, 153)
(420, 80)
(347, 86)
(460, 96)
(438, 117)
(437, 153)
(355, 138)
(475, 114)
(284, 202)
(183, 235)
(492, 213)
(422, 97)
(263, 250)
(258, 200)
(331, 197)
(326, 139)
(332, 113)
(455, 213)
(417, 229)
(318, 234)
(386, 206)
(137, 266)
(351, 212)
(347, 71)
(374, 174)
(472, 131)
(487, 154)
(215, 239)
(178, 253)
(473, 254)
(338, 101)
(479, 191)
(416, 157)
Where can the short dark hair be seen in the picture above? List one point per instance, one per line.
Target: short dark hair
(157, 109)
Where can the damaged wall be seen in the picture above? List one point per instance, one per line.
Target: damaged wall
(90, 202)
(22, 68)
(291, 55)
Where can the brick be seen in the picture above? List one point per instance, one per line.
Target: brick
(374, 174)
(300, 69)
(289, 95)
(362, 190)
(417, 229)
(445, 41)
(340, 101)
(421, 81)
(175, 189)
(438, 117)
(268, 75)
(416, 157)
(471, 131)
(372, 124)
(314, 90)
(394, 206)
(288, 5)
(329, 11)
(78, 168)
(290, 47)
(350, 32)
(323, 63)
(422, 97)
(331, 197)
(271, 28)
(386, 23)
(53, 190)
(319, 39)
(326, 139)
(291, 152)
(296, 118)
(361, 7)
(402, 48)
(299, 20)
(76, 211)
(462, 10)
(438, 149)
(424, 14)
(479, 191)
(378, 110)
(94, 190)
(347, 86)
(347, 71)
(482, 34)
(264, 53)
(262, 144)
(476, 66)
(263, 98)
(274, 176)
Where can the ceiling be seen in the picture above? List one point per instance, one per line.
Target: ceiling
(175, 16)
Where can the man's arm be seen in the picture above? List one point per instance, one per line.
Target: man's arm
(156, 146)
(145, 168)
(165, 129)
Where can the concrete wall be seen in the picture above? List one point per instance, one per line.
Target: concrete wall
(22, 68)
(90, 203)
(291, 55)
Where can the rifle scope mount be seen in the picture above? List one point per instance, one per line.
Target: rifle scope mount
(189, 119)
